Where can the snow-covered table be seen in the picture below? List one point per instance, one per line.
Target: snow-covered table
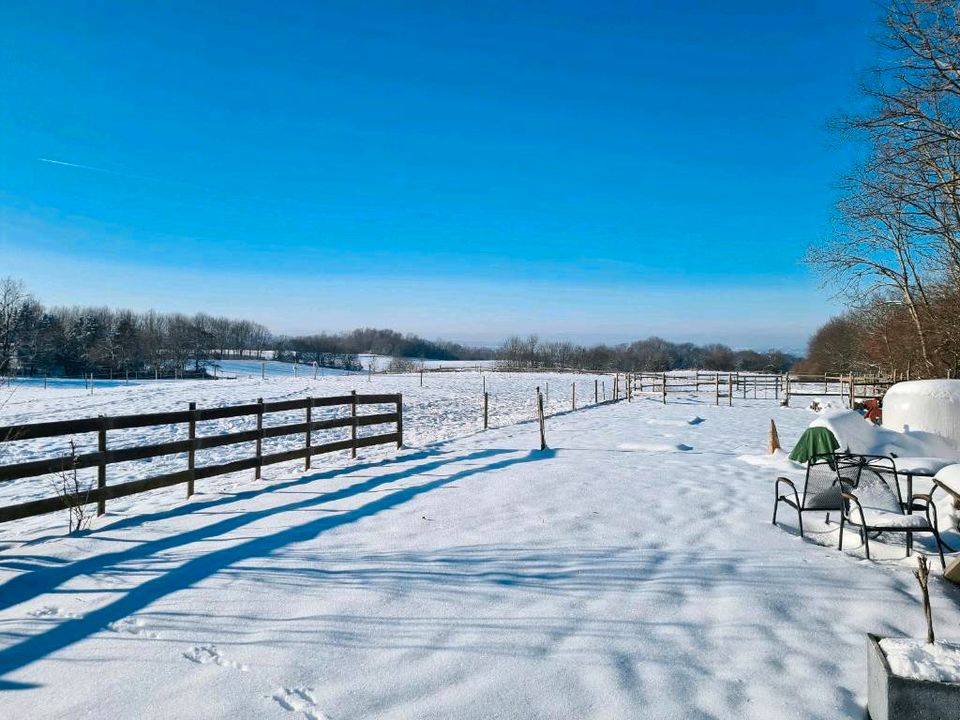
(923, 466)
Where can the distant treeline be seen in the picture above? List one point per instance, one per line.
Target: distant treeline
(308, 348)
(71, 341)
(653, 354)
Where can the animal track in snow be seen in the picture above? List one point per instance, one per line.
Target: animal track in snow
(132, 627)
(299, 700)
(207, 654)
(53, 611)
(654, 447)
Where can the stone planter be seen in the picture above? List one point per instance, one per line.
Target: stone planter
(890, 697)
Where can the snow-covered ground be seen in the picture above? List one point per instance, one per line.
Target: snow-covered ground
(250, 369)
(382, 362)
(630, 571)
(448, 405)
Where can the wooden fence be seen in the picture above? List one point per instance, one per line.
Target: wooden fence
(104, 456)
(722, 386)
(848, 389)
(773, 386)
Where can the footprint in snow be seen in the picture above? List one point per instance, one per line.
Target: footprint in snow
(52, 611)
(207, 654)
(132, 627)
(299, 700)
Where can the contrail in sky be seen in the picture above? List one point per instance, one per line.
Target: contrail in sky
(107, 172)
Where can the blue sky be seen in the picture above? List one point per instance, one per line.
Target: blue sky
(593, 171)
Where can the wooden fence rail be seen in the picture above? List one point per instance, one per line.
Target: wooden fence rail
(104, 456)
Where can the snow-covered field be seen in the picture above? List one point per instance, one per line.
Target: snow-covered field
(446, 406)
(630, 571)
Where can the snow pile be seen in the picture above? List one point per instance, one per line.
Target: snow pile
(909, 658)
(926, 405)
(859, 435)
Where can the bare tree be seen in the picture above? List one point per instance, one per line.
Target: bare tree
(13, 300)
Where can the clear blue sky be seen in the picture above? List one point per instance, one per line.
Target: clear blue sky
(590, 170)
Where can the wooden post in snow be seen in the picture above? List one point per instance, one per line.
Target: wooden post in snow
(192, 454)
(399, 420)
(353, 423)
(259, 466)
(596, 391)
(102, 465)
(308, 435)
(486, 409)
(773, 442)
(540, 418)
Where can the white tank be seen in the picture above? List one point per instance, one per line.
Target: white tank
(928, 405)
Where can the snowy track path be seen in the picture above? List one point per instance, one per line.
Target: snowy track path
(630, 571)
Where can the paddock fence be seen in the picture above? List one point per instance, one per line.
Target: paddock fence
(728, 386)
(193, 419)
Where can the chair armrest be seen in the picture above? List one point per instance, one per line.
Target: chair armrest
(925, 504)
(788, 481)
(851, 498)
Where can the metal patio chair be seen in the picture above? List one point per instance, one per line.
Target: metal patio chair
(821, 490)
(872, 502)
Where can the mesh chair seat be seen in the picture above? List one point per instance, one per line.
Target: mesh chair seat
(890, 519)
(821, 491)
(872, 502)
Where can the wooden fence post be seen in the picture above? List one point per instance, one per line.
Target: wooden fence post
(399, 420)
(730, 390)
(353, 424)
(573, 396)
(263, 373)
(259, 467)
(596, 391)
(716, 388)
(102, 465)
(786, 390)
(192, 454)
(308, 435)
(543, 432)
(486, 409)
